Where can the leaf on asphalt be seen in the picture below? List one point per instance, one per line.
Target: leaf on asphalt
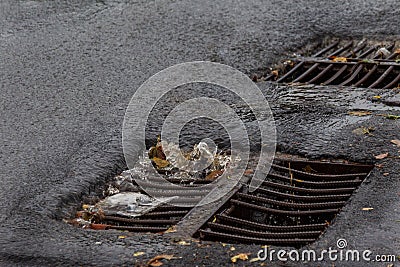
(241, 256)
(122, 237)
(183, 243)
(397, 51)
(376, 97)
(255, 259)
(367, 209)
(392, 117)
(396, 142)
(155, 262)
(139, 253)
(160, 163)
(339, 59)
(382, 156)
(360, 113)
(363, 130)
(232, 249)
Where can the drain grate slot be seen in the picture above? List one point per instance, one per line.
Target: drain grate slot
(347, 64)
(293, 206)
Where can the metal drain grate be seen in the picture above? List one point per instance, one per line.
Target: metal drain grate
(163, 217)
(347, 64)
(294, 205)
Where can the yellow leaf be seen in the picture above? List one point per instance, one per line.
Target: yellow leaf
(339, 59)
(160, 163)
(241, 256)
(232, 249)
(255, 259)
(85, 206)
(122, 237)
(223, 244)
(367, 209)
(170, 230)
(299, 181)
(139, 253)
(155, 262)
(360, 113)
(382, 156)
(183, 243)
(376, 97)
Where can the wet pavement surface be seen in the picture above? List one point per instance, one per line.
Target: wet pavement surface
(68, 71)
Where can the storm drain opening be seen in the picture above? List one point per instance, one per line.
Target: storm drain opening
(294, 205)
(363, 64)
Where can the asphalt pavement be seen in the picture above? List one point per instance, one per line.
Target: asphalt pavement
(69, 68)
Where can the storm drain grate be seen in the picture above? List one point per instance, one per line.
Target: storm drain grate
(294, 205)
(346, 64)
(161, 218)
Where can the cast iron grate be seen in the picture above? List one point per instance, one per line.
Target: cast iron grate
(295, 204)
(346, 64)
(163, 217)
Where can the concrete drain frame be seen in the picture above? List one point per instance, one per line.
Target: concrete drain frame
(295, 204)
(344, 63)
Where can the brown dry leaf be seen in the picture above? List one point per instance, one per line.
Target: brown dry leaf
(397, 51)
(248, 172)
(339, 59)
(275, 72)
(363, 130)
(396, 142)
(155, 262)
(160, 163)
(386, 174)
(241, 256)
(97, 226)
(213, 175)
(382, 156)
(367, 209)
(360, 113)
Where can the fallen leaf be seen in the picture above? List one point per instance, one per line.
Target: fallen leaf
(122, 237)
(386, 174)
(160, 163)
(170, 230)
(155, 262)
(392, 117)
(248, 172)
(363, 130)
(339, 59)
(183, 243)
(213, 175)
(397, 51)
(223, 244)
(98, 226)
(232, 249)
(275, 72)
(255, 259)
(139, 253)
(360, 113)
(241, 256)
(382, 156)
(367, 209)
(396, 142)
(376, 97)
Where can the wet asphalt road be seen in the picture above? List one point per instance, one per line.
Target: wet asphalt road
(69, 68)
